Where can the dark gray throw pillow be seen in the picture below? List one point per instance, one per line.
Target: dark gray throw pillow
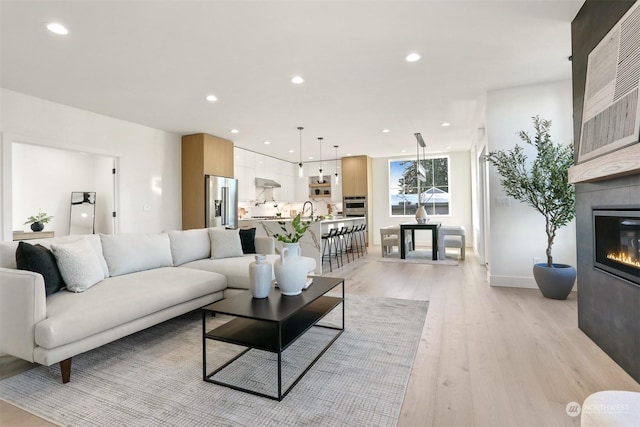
(39, 259)
(247, 237)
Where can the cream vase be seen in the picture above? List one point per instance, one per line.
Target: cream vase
(290, 270)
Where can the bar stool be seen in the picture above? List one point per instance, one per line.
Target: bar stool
(361, 242)
(346, 234)
(327, 245)
(340, 244)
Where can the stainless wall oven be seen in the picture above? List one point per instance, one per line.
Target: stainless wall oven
(353, 205)
(356, 206)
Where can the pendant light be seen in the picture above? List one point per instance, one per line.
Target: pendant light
(336, 174)
(300, 168)
(321, 177)
(421, 213)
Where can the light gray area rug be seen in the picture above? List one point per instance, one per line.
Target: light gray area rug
(154, 377)
(419, 256)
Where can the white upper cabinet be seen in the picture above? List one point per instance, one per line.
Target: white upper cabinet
(250, 165)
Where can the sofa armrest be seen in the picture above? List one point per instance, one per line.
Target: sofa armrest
(22, 306)
(265, 245)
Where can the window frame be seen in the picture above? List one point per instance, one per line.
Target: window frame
(394, 189)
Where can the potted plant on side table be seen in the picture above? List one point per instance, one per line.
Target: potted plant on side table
(291, 269)
(544, 186)
(37, 221)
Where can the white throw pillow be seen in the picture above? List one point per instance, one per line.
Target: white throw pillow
(225, 243)
(189, 245)
(78, 264)
(128, 253)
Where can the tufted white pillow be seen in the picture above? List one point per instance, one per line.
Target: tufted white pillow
(78, 264)
(225, 243)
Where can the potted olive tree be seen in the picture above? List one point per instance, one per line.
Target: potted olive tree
(543, 185)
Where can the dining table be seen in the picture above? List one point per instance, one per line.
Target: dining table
(434, 227)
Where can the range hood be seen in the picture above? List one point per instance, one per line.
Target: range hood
(267, 183)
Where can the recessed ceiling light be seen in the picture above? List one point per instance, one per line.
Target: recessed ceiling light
(412, 57)
(212, 98)
(267, 142)
(54, 27)
(234, 131)
(292, 151)
(385, 130)
(310, 158)
(297, 80)
(403, 151)
(445, 124)
(448, 147)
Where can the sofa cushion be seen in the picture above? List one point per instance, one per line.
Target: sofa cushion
(78, 264)
(39, 259)
(247, 239)
(189, 245)
(225, 243)
(129, 253)
(237, 269)
(119, 300)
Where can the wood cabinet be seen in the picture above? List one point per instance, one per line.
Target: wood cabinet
(356, 176)
(202, 154)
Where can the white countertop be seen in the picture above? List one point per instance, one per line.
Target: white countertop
(334, 219)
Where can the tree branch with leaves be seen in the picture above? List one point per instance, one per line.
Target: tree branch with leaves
(543, 184)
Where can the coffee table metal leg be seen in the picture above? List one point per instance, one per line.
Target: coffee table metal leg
(279, 376)
(204, 346)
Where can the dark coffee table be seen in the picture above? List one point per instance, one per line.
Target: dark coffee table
(271, 324)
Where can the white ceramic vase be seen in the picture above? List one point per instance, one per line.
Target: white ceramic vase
(421, 215)
(260, 277)
(290, 270)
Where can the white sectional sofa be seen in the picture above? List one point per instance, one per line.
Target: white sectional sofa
(139, 280)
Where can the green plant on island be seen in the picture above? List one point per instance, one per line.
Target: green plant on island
(542, 184)
(298, 228)
(41, 218)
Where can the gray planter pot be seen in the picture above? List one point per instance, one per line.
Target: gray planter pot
(556, 282)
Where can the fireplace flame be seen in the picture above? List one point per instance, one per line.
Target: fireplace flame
(624, 259)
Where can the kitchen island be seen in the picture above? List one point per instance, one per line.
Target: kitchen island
(311, 242)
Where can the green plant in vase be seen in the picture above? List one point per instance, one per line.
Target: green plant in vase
(542, 184)
(37, 221)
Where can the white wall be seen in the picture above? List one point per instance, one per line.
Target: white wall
(460, 188)
(517, 233)
(43, 179)
(149, 159)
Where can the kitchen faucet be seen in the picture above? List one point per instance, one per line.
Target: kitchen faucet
(303, 208)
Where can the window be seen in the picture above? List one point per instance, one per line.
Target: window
(434, 190)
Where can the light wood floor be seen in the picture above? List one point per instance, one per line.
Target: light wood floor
(487, 356)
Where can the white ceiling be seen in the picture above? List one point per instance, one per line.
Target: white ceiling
(153, 63)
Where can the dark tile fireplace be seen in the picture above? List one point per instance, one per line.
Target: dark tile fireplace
(617, 242)
(607, 198)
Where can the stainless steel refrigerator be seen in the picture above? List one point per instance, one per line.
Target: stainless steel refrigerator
(221, 203)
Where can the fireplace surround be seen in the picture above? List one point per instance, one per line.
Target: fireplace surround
(608, 304)
(617, 242)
